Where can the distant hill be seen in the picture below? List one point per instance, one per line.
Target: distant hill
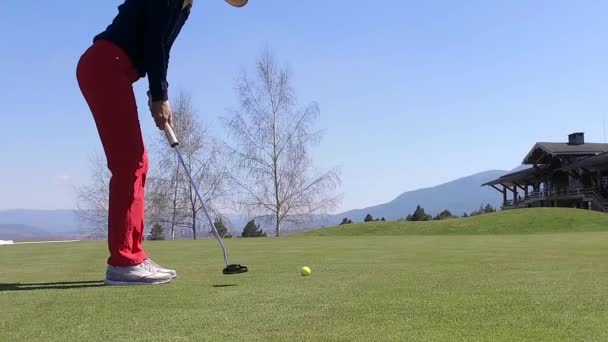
(21, 232)
(458, 196)
(26, 224)
(52, 220)
(521, 221)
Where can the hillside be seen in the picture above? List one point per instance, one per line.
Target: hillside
(25, 224)
(57, 221)
(522, 221)
(25, 232)
(459, 196)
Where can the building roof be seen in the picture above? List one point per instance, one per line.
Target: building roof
(540, 150)
(589, 162)
(514, 177)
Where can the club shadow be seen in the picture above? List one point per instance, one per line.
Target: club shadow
(224, 285)
(63, 285)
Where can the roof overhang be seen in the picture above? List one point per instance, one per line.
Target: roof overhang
(517, 178)
(537, 152)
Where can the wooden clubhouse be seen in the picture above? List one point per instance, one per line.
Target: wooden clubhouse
(572, 174)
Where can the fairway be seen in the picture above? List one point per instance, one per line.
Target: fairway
(541, 287)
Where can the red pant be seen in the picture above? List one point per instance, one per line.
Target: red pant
(106, 76)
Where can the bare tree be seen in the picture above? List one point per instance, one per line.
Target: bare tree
(92, 199)
(173, 201)
(272, 138)
(162, 201)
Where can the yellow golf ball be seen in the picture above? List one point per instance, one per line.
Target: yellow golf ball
(305, 271)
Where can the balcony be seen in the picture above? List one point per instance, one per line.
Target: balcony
(559, 193)
(579, 193)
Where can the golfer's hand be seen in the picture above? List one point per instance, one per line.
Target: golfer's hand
(161, 113)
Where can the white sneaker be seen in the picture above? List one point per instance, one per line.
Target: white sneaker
(140, 274)
(158, 268)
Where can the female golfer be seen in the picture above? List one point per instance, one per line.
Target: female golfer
(136, 44)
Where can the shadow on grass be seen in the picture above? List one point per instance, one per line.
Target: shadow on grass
(225, 285)
(63, 285)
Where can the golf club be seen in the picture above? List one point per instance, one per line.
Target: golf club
(230, 268)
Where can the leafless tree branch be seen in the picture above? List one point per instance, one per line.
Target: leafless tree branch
(271, 145)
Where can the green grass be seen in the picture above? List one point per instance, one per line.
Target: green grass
(522, 221)
(526, 287)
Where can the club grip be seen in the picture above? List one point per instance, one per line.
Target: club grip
(171, 135)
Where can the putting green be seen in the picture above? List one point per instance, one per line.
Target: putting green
(541, 287)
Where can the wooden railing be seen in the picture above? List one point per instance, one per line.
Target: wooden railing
(587, 194)
(597, 198)
(559, 192)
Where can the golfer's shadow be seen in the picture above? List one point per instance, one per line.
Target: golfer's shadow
(63, 285)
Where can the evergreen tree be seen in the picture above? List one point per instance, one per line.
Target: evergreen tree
(368, 218)
(221, 228)
(253, 230)
(420, 215)
(446, 214)
(156, 233)
(346, 221)
(489, 209)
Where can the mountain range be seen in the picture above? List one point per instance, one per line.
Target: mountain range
(458, 196)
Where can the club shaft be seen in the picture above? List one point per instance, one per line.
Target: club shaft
(200, 198)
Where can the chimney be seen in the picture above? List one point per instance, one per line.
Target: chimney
(576, 139)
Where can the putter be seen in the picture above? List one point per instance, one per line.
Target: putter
(230, 268)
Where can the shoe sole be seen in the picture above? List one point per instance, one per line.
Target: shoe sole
(111, 282)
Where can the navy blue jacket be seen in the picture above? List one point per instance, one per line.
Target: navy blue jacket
(146, 30)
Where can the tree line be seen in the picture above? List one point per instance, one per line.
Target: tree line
(251, 230)
(420, 215)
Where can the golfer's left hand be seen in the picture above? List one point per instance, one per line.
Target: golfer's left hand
(161, 113)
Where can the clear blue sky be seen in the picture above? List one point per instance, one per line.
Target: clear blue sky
(412, 94)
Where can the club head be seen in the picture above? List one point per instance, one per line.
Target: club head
(235, 269)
